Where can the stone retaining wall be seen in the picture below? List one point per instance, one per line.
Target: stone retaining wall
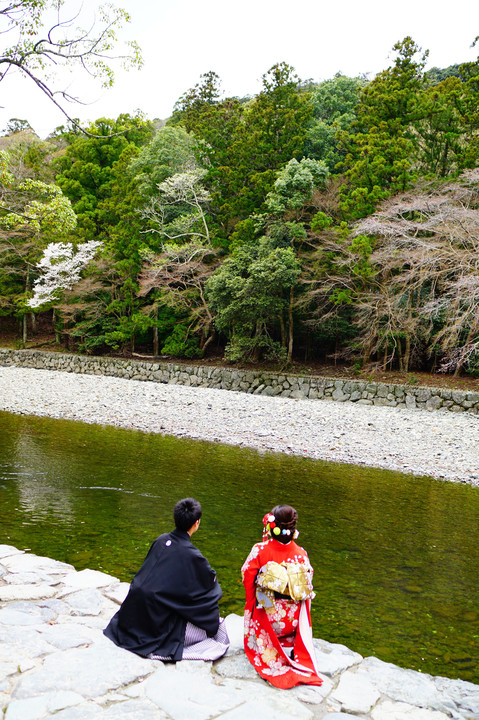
(256, 382)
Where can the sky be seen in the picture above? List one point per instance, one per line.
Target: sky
(181, 39)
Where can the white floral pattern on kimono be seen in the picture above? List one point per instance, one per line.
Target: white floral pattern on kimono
(277, 643)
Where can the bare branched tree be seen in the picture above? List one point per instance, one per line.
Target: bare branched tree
(178, 275)
(45, 38)
(424, 285)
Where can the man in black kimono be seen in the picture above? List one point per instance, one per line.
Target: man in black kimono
(175, 593)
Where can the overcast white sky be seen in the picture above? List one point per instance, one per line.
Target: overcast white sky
(180, 39)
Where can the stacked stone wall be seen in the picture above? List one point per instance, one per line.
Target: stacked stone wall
(256, 382)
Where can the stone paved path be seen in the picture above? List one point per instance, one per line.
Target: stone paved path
(55, 662)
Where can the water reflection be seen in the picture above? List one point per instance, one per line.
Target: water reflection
(395, 557)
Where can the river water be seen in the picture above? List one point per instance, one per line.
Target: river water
(396, 557)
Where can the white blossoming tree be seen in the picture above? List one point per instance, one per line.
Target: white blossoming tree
(60, 269)
(178, 213)
(32, 214)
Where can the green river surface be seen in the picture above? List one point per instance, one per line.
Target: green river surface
(395, 556)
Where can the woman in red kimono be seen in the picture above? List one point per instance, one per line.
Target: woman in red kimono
(277, 577)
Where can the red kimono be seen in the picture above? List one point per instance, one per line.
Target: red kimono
(278, 637)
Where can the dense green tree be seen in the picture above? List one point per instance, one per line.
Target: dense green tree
(295, 185)
(192, 104)
(86, 170)
(334, 109)
(382, 144)
(170, 151)
(272, 132)
(242, 144)
(250, 296)
(215, 129)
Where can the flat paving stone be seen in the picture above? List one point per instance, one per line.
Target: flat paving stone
(236, 666)
(404, 685)
(26, 562)
(403, 711)
(7, 550)
(8, 668)
(86, 602)
(55, 606)
(264, 701)
(90, 671)
(88, 579)
(134, 710)
(86, 711)
(22, 643)
(460, 692)
(26, 592)
(64, 637)
(333, 658)
(314, 694)
(42, 706)
(15, 617)
(117, 592)
(24, 578)
(35, 608)
(190, 697)
(355, 692)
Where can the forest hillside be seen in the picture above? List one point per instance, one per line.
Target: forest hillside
(333, 222)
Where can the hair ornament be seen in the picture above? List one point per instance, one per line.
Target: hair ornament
(276, 530)
(269, 525)
(295, 534)
(285, 531)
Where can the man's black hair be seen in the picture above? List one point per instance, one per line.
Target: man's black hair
(186, 513)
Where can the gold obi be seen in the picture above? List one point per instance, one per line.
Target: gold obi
(287, 578)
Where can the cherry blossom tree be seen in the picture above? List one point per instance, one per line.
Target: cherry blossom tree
(60, 269)
(32, 214)
(178, 213)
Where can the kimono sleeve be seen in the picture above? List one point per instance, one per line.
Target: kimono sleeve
(249, 572)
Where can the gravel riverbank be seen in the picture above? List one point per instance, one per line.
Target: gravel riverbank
(440, 444)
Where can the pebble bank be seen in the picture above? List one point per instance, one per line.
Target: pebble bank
(439, 443)
(55, 662)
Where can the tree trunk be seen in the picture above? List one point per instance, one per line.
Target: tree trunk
(24, 329)
(56, 327)
(385, 357)
(290, 326)
(208, 340)
(283, 330)
(257, 333)
(33, 322)
(400, 355)
(407, 354)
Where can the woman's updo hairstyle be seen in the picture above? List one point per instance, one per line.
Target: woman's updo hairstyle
(286, 518)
